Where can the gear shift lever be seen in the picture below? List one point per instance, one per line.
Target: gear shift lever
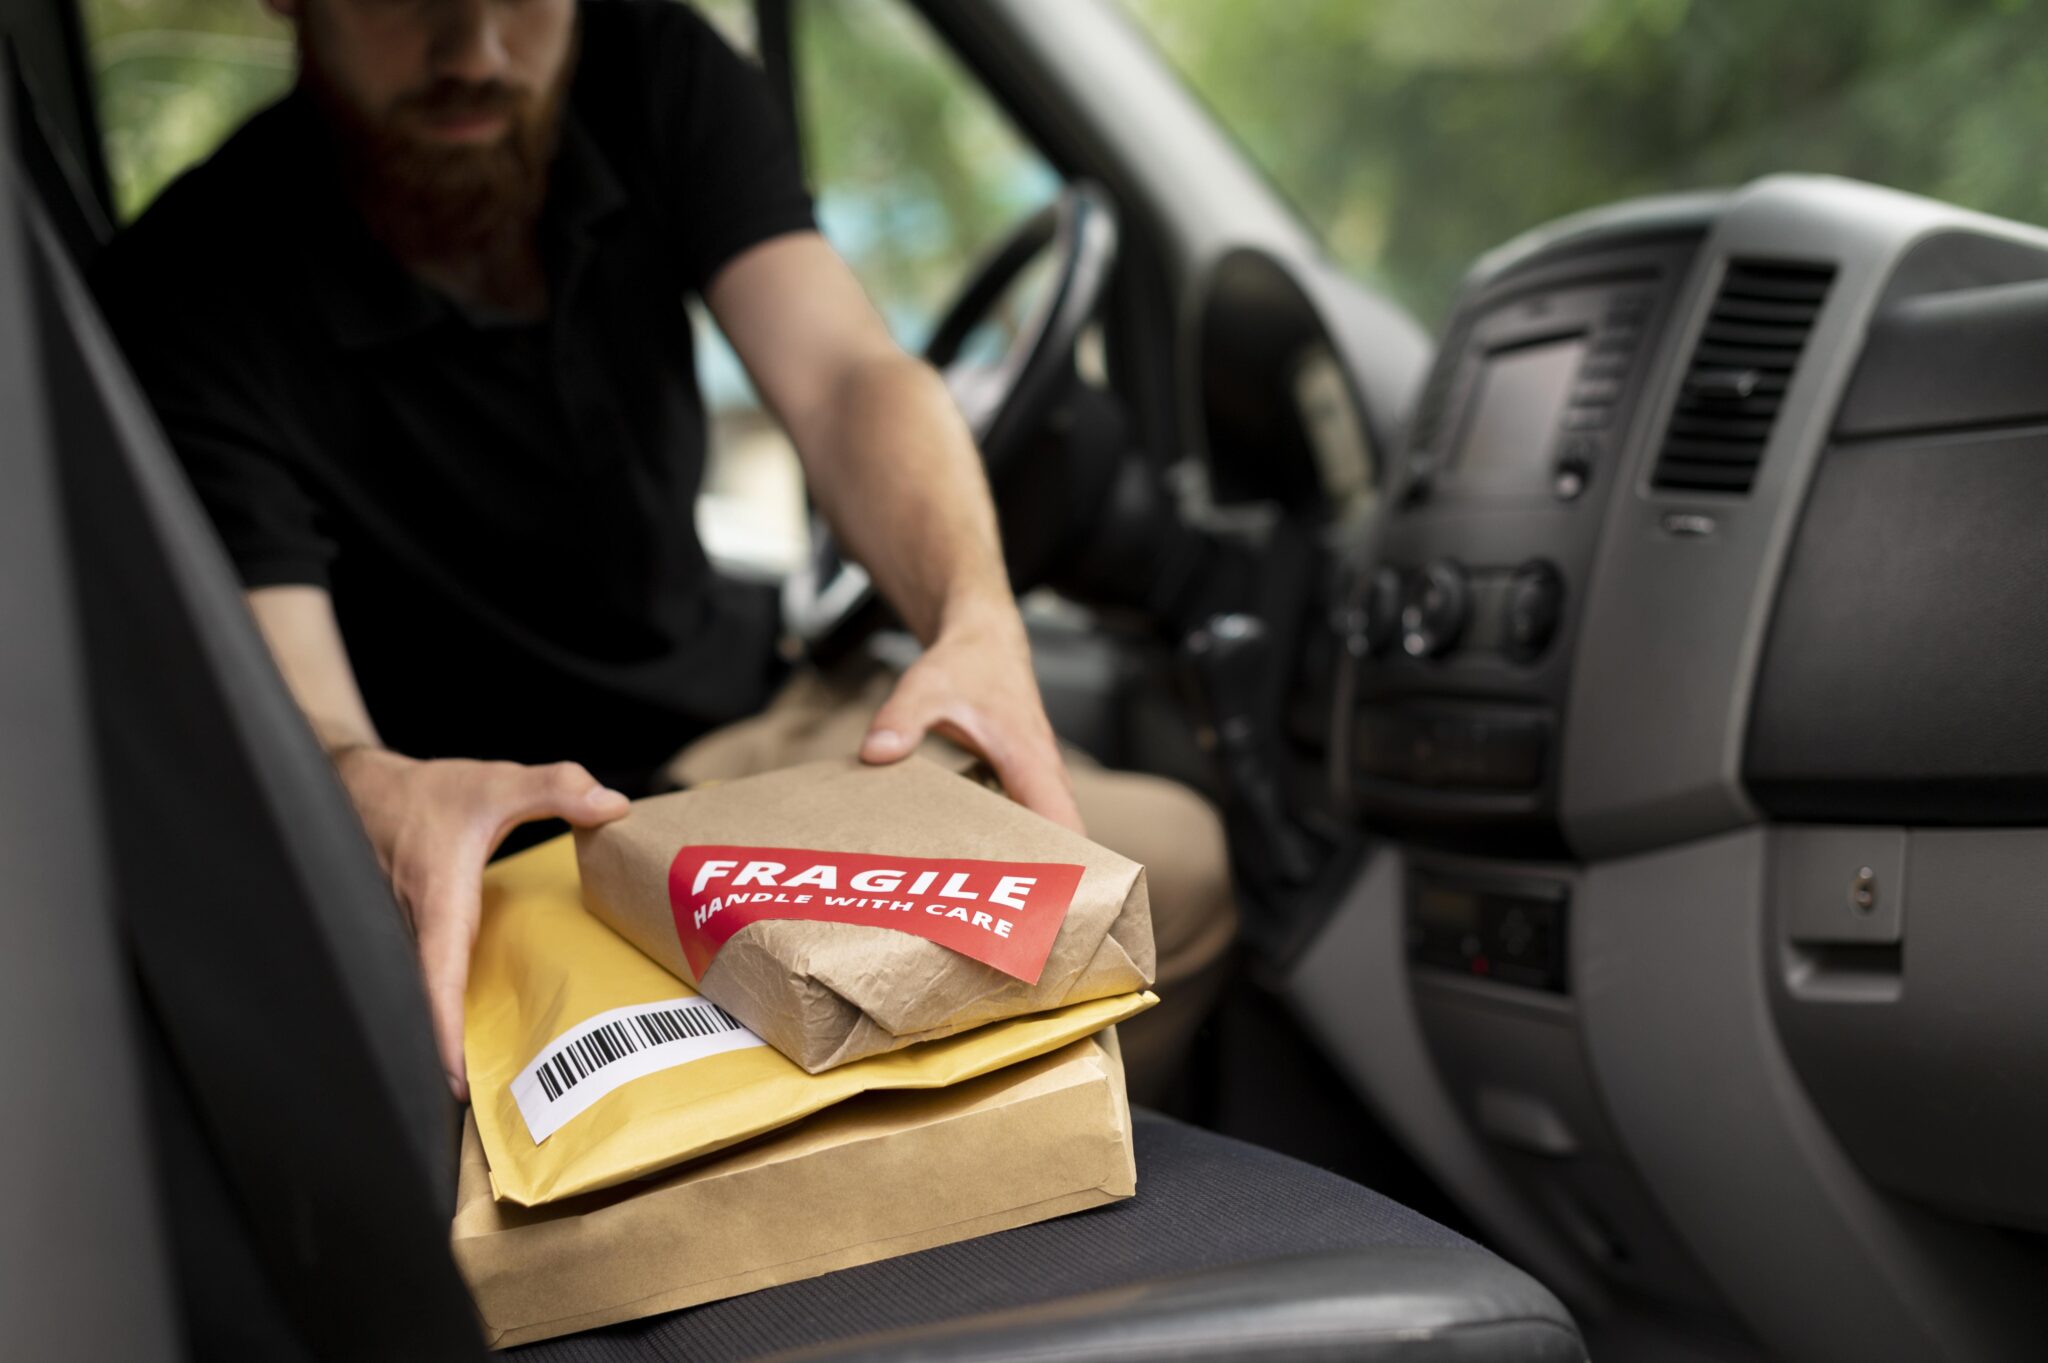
(1232, 660)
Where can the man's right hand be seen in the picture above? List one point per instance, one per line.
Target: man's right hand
(434, 825)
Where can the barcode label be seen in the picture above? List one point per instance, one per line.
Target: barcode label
(599, 1054)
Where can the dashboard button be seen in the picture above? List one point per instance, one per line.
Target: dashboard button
(1534, 605)
(1433, 615)
(1574, 467)
(1420, 482)
(1382, 611)
(1368, 619)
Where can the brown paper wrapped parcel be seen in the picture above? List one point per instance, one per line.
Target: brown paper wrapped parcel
(591, 1066)
(881, 1175)
(842, 910)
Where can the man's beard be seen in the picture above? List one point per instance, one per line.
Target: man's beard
(445, 203)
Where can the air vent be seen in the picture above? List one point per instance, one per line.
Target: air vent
(1739, 374)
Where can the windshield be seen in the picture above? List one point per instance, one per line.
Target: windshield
(1415, 134)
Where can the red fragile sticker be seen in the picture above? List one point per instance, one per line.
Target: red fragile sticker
(1002, 913)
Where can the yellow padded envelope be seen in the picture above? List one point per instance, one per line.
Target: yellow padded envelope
(621, 1070)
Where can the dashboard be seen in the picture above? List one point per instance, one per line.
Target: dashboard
(1463, 615)
(1684, 675)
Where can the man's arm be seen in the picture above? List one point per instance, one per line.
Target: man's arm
(433, 824)
(894, 469)
(298, 623)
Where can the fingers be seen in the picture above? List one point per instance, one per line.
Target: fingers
(899, 726)
(446, 914)
(1029, 764)
(562, 791)
(444, 860)
(1036, 777)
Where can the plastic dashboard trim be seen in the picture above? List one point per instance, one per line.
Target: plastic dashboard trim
(1673, 627)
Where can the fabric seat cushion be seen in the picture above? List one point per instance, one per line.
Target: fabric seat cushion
(1204, 1201)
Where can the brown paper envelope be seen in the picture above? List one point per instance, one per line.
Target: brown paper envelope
(878, 1176)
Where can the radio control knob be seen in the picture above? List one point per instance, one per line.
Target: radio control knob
(1433, 615)
(1382, 610)
(1535, 603)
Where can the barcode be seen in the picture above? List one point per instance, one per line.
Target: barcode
(580, 1065)
(612, 1041)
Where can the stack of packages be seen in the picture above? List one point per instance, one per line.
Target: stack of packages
(787, 1025)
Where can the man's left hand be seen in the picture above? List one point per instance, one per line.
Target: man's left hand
(974, 685)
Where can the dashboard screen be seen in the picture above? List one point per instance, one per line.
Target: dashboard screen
(1513, 425)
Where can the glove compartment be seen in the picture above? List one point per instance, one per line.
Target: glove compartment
(1907, 990)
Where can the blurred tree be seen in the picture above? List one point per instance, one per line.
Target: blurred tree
(917, 171)
(1414, 134)
(175, 77)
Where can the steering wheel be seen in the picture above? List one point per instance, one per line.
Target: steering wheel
(829, 602)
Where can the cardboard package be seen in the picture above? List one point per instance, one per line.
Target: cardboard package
(842, 910)
(590, 1065)
(882, 1175)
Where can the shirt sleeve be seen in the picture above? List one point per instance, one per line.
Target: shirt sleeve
(729, 171)
(211, 406)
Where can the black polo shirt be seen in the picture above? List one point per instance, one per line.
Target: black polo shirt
(504, 514)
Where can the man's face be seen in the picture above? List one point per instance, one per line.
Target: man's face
(447, 108)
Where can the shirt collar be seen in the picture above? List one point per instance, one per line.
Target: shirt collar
(369, 299)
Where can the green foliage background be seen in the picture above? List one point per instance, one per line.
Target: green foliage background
(175, 77)
(1413, 134)
(917, 171)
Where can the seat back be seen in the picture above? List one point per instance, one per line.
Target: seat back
(80, 1190)
(290, 1097)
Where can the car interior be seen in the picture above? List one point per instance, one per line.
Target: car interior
(1620, 701)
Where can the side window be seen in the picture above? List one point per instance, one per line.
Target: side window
(917, 172)
(735, 20)
(750, 511)
(918, 175)
(174, 78)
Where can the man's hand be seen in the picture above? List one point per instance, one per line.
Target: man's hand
(435, 825)
(974, 685)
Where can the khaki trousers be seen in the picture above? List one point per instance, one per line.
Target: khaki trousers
(1166, 828)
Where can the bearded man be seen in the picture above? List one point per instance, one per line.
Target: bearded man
(417, 334)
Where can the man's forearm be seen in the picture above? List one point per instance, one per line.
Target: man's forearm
(902, 485)
(894, 468)
(298, 625)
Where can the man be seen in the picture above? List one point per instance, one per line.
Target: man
(416, 333)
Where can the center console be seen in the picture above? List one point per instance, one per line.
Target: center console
(1459, 622)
